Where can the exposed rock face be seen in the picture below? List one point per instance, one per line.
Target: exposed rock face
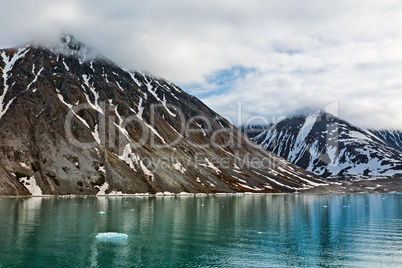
(392, 138)
(333, 148)
(73, 122)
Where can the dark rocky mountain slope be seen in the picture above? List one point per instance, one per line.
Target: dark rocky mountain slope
(73, 122)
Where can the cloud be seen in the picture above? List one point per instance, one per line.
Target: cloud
(298, 55)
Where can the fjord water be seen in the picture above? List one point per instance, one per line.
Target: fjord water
(363, 230)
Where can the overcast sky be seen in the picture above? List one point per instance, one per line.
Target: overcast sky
(276, 57)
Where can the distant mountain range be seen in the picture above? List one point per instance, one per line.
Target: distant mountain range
(333, 148)
(73, 122)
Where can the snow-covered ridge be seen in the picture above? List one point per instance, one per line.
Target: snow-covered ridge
(330, 147)
(393, 138)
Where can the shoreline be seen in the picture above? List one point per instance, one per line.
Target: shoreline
(195, 195)
(364, 186)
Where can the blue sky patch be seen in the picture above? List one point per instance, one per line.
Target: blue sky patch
(218, 82)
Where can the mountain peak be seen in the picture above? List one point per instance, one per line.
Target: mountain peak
(68, 45)
(69, 41)
(74, 125)
(332, 147)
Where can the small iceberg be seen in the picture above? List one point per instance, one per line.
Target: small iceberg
(101, 212)
(111, 237)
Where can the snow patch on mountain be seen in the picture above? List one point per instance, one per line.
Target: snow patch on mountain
(9, 64)
(31, 185)
(330, 147)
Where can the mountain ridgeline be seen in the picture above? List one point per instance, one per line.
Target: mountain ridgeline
(73, 122)
(392, 138)
(333, 148)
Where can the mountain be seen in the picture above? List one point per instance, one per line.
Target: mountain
(73, 122)
(392, 138)
(333, 148)
(254, 130)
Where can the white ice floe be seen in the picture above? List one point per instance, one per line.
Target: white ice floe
(111, 237)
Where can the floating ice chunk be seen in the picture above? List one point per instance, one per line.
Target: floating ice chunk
(111, 237)
(238, 195)
(101, 212)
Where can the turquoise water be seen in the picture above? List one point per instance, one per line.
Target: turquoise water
(224, 231)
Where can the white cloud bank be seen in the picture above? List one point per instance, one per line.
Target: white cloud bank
(303, 54)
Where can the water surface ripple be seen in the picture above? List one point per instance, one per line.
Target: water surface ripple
(360, 230)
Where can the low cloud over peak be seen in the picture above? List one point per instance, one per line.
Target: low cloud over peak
(275, 57)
